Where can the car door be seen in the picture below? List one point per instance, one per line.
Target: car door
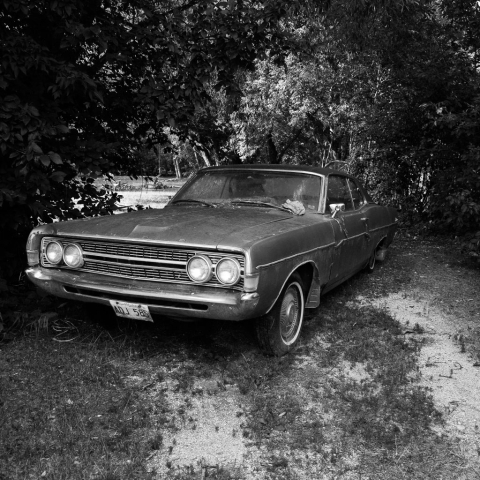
(349, 226)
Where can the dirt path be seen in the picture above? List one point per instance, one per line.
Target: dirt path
(443, 300)
(446, 370)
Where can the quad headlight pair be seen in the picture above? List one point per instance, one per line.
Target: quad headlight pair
(71, 254)
(200, 269)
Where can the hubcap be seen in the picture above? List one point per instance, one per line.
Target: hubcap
(290, 314)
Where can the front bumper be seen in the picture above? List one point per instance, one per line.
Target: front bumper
(190, 301)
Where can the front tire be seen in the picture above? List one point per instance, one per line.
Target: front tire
(278, 331)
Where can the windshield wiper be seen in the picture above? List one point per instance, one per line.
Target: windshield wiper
(192, 200)
(262, 204)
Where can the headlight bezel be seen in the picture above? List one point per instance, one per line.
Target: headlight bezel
(238, 268)
(209, 268)
(80, 252)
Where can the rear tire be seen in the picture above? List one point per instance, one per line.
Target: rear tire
(370, 267)
(278, 331)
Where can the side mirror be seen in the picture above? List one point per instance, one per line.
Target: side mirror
(336, 207)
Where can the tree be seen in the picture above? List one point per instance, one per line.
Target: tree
(85, 84)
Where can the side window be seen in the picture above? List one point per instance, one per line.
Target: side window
(338, 192)
(357, 196)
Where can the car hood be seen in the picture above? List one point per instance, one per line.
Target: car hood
(182, 226)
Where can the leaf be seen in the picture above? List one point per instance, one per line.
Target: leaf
(58, 176)
(36, 148)
(62, 128)
(45, 159)
(55, 158)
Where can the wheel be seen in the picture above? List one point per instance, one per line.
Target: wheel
(380, 254)
(279, 330)
(370, 267)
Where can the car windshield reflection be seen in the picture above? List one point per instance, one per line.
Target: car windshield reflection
(252, 189)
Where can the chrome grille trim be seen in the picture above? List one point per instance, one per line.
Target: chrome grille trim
(137, 259)
(141, 262)
(137, 251)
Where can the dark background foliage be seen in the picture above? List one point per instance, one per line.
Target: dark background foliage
(91, 88)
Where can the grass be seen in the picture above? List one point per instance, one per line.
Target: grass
(351, 407)
(141, 191)
(74, 410)
(150, 198)
(80, 401)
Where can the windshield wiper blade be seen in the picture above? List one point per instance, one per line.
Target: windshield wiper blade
(262, 204)
(192, 200)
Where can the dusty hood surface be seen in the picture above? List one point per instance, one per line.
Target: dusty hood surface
(207, 227)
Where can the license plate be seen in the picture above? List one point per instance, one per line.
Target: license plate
(131, 310)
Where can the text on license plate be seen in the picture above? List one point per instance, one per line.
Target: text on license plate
(131, 310)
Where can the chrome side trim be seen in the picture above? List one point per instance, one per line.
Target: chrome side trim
(323, 247)
(383, 226)
(343, 240)
(363, 234)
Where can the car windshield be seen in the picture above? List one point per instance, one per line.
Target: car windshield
(256, 188)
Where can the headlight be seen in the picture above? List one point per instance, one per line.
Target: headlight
(199, 268)
(228, 271)
(54, 252)
(72, 256)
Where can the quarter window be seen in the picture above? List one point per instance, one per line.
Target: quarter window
(357, 195)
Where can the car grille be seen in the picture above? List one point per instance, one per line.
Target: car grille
(141, 262)
(138, 251)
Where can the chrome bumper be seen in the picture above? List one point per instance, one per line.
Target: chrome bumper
(170, 299)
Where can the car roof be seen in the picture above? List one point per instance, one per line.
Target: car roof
(284, 167)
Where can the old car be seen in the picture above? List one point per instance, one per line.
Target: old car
(236, 242)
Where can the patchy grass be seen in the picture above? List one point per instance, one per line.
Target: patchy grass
(75, 409)
(347, 404)
(79, 401)
(214, 472)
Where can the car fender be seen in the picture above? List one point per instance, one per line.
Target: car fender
(312, 293)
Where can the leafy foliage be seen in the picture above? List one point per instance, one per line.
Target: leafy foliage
(84, 84)
(96, 87)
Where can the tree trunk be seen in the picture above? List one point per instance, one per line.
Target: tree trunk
(205, 158)
(159, 162)
(196, 158)
(178, 173)
(272, 149)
